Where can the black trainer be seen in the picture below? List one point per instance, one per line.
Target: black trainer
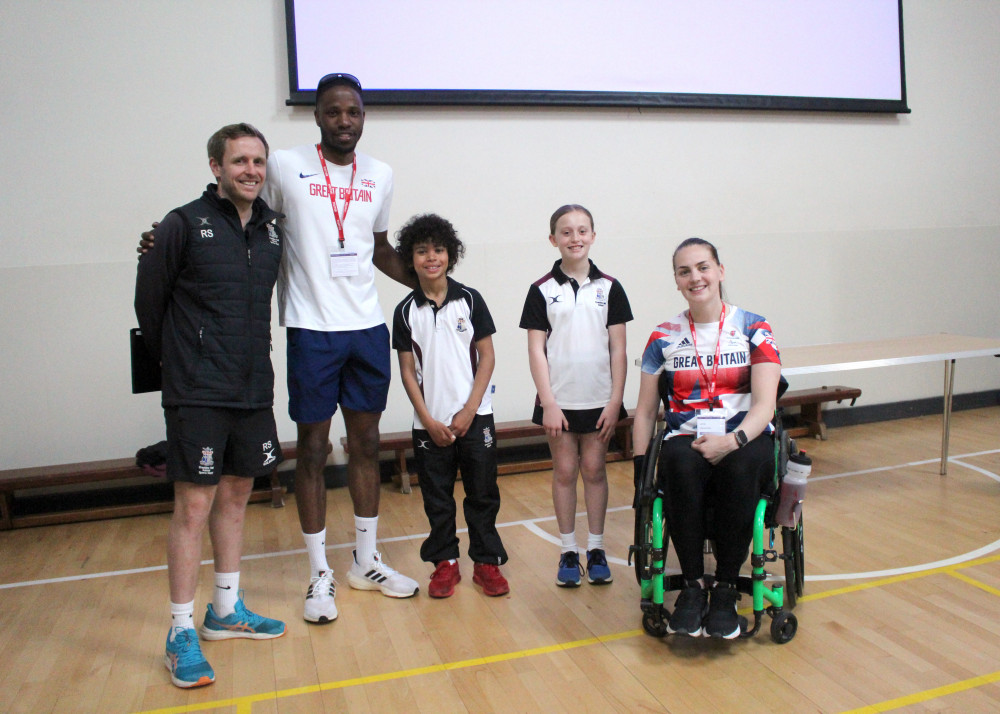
(722, 620)
(689, 609)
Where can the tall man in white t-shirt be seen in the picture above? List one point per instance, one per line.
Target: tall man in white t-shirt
(336, 203)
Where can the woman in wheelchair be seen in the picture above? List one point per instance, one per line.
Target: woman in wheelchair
(716, 368)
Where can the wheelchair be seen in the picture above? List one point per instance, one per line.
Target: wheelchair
(649, 552)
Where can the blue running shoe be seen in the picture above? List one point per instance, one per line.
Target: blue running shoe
(187, 665)
(241, 623)
(569, 570)
(598, 572)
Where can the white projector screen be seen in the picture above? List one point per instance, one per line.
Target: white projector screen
(828, 55)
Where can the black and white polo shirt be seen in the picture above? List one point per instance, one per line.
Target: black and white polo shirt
(575, 318)
(443, 342)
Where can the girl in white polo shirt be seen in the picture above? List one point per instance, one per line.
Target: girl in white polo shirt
(575, 316)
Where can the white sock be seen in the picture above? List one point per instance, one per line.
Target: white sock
(182, 615)
(227, 592)
(568, 541)
(365, 531)
(316, 548)
(595, 541)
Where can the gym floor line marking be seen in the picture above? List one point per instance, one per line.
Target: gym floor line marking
(948, 569)
(928, 694)
(972, 581)
(528, 523)
(972, 467)
(924, 462)
(277, 554)
(947, 562)
(244, 704)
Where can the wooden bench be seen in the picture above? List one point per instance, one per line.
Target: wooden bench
(810, 402)
(401, 442)
(99, 472)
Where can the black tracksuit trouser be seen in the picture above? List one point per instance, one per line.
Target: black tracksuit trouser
(475, 454)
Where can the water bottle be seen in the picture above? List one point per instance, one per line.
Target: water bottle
(793, 489)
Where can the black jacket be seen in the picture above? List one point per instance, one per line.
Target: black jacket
(203, 299)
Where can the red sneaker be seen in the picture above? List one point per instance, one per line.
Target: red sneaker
(444, 579)
(490, 579)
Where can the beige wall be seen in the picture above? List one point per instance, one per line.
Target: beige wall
(836, 227)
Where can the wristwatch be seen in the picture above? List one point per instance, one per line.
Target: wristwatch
(741, 438)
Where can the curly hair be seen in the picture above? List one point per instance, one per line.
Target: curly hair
(429, 228)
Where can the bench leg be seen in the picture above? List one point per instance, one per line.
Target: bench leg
(404, 474)
(812, 415)
(277, 491)
(6, 511)
(625, 439)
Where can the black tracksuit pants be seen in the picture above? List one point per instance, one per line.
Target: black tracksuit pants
(475, 454)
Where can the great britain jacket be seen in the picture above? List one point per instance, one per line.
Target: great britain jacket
(203, 299)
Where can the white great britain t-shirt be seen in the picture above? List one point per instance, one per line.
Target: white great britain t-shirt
(308, 297)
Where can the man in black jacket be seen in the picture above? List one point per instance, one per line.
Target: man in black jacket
(203, 300)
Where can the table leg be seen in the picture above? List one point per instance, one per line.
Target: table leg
(949, 387)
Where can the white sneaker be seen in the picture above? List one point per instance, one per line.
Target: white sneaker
(320, 605)
(379, 576)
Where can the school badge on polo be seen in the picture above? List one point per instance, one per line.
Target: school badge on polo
(460, 325)
(599, 298)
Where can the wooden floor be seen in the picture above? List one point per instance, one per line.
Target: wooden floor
(902, 608)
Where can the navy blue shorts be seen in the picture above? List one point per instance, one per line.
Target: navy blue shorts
(325, 369)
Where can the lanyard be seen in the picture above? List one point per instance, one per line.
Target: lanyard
(347, 197)
(715, 362)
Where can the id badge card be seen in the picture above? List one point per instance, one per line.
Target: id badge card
(343, 264)
(710, 422)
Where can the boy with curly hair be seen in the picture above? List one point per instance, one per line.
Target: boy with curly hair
(442, 332)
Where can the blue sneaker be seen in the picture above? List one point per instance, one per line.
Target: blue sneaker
(598, 572)
(241, 623)
(569, 570)
(187, 665)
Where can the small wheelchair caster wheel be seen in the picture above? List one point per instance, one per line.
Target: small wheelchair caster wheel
(783, 627)
(654, 625)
